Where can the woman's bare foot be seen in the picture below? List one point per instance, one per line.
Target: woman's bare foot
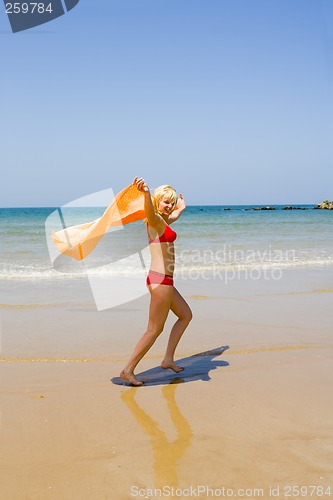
(131, 378)
(172, 365)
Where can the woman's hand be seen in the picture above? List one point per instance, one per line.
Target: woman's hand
(141, 184)
(181, 205)
(176, 213)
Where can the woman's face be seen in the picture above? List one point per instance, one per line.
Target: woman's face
(166, 205)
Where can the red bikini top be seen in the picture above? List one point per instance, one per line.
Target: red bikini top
(168, 236)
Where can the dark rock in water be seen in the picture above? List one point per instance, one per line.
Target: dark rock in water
(227, 209)
(256, 208)
(289, 207)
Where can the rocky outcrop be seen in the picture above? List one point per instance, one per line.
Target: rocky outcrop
(289, 207)
(325, 205)
(264, 208)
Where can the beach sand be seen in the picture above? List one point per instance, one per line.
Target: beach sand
(253, 408)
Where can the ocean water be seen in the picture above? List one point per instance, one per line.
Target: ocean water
(211, 239)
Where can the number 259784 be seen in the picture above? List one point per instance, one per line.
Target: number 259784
(28, 8)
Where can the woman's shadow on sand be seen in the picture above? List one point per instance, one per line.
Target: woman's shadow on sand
(196, 367)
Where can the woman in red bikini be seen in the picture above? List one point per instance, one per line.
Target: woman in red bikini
(160, 212)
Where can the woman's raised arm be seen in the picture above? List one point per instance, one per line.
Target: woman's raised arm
(181, 205)
(152, 217)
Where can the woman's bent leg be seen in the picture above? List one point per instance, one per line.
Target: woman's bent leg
(180, 308)
(161, 297)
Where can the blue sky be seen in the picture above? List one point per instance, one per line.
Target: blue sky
(230, 101)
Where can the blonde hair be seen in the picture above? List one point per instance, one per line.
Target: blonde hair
(161, 192)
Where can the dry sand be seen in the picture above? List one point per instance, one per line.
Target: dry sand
(256, 413)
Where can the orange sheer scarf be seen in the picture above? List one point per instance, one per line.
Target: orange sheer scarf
(79, 241)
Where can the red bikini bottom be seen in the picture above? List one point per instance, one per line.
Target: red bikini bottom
(159, 279)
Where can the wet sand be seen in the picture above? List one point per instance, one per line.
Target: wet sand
(252, 409)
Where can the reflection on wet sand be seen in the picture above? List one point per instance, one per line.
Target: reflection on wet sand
(166, 454)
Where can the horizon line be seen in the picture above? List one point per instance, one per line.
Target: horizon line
(188, 206)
